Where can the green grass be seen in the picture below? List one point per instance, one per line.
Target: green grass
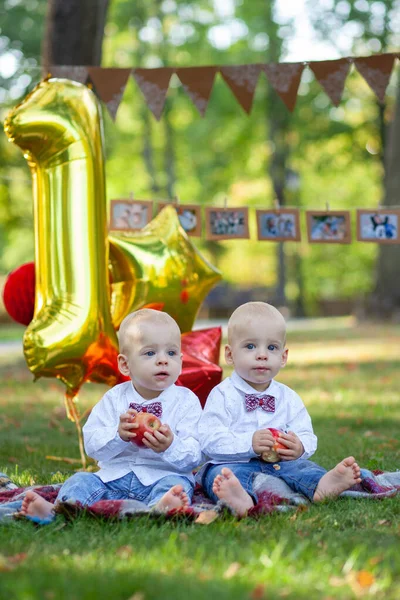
(349, 379)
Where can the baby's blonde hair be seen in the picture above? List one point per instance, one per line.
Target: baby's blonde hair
(130, 326)
(255, 310)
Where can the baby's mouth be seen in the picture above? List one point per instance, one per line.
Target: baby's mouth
(162, 374)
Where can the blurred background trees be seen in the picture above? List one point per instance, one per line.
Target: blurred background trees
(317, 155)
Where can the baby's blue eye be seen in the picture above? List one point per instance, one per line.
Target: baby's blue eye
(271, 347)
(250, 346)
(150, 353)
(171, 352)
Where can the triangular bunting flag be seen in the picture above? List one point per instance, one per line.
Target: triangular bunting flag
(110, 86)
(154, 87)
(285, 79)
(72, 72)
(376, 71)
(332, 74)
(242, 80)
(197, 83)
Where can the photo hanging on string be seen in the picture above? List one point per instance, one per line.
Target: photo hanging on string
(278, 225)
(380, 226)
(189, 216)
(227, 223)
(130, 215)
(328, 227)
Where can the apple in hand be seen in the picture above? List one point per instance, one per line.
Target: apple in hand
(272, 456)
(147, 422)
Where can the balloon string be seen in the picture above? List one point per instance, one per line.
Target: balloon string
(73, 415)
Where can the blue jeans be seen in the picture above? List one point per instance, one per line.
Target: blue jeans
(88, 488)
(301, 475)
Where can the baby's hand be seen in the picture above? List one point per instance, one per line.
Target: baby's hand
(294, 447)
(262, 441)
(160, 440)
(127, 424)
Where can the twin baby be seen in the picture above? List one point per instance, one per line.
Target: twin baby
(231, 433)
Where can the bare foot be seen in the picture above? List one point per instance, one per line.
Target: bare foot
(174, 498)
(338, 479)
(34, 505)
(228, 488)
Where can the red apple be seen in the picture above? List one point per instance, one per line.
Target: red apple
(272, 456)
(147, 422)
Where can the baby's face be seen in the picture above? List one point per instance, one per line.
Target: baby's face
(153, 360)
(257, 351)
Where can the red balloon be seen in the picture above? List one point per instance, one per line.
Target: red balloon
(19, 293)
(201, 371)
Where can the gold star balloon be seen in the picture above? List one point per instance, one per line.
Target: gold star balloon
(72, 335)
(159, 264)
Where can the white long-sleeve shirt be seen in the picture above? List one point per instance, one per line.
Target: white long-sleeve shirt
(181, 410)
(226, 428)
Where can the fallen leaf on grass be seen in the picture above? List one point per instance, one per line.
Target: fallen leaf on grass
(8, 563)
(258, 592)
(336, 581)
(137, 596)
(370, 433)
(70, 461)
(232, 570)
(365, 579)
(375, 560)
(124, 551)
(206, 517)
(384, 522)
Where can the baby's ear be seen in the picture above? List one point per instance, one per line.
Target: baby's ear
(123, 364)
(284, 358)
(228, 355)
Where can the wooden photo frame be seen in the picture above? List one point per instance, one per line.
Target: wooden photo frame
(130, 215)
(189, 216)
(328, 227)
(380, 226)
(278, 225)
(227, 223)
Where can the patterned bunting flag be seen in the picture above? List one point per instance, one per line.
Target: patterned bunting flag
(154, 86)
(332, 74)
(197, 83)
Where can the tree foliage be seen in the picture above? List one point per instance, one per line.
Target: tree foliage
(333, 151)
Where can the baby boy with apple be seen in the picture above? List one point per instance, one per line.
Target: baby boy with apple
(234, 428)
(158, 469)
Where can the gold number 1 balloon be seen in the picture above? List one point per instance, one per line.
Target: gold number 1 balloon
(72, 335)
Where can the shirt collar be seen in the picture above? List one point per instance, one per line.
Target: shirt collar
(241, 385)
(163, 397)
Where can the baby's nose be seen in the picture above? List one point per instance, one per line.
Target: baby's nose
(162, 358)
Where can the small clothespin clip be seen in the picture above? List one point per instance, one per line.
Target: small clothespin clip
(225, 202)
(131, 195)
(176, 200)
(277, 205)
(327, 207)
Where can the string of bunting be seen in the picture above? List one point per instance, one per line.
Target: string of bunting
(379, 225)
(197, 82)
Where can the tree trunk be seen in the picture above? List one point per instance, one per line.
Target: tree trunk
(385, 300)
(74, 32)
(278, 125)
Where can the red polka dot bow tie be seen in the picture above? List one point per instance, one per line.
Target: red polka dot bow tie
(155, 408)
(265, 402)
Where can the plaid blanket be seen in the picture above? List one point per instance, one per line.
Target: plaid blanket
(273, 495)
